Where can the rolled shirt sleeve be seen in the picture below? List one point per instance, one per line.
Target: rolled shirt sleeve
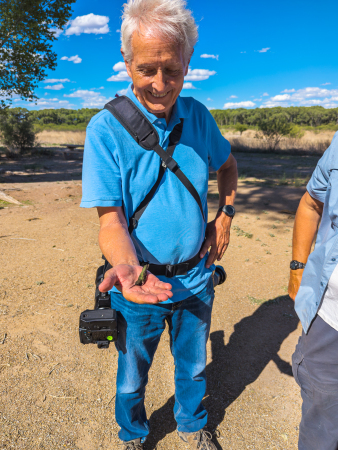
(317, 186)
(101, 176)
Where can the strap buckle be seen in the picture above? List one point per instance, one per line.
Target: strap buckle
(171, 164)
(171, 270)
(134, 222)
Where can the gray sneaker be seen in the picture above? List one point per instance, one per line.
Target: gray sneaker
(201, 440)
(132, 445)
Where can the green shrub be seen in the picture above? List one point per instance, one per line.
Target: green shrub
(241, 127)
(296, 132)
(16, 131)
(273, 129)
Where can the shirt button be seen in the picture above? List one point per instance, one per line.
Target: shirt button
(321, 283)
(333, 259)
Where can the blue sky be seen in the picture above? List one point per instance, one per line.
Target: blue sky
(249, 54)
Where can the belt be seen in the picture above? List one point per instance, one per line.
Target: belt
(171, 270)
(167, 270)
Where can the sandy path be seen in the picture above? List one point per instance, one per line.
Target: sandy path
(57, 393)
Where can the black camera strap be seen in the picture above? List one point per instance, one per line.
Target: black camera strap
(145, 134)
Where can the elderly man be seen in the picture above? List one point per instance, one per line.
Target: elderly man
(172, 235)
(315, 287)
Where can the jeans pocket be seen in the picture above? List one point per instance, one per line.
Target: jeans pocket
(300, 373)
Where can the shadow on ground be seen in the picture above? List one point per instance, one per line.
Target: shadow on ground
(255, 342)
(39, 169)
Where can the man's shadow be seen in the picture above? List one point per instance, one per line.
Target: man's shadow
(255, 342)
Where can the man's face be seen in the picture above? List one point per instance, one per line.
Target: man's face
(157, 70)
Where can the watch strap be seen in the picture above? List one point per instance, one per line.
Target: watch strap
(295, 265)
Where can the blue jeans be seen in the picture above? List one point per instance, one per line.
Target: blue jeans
(140, 329)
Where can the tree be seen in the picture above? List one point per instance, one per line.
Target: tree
(240, 127)
(27, 31)
(17, 130)
(273, 129)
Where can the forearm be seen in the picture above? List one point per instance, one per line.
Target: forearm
(306, 224)
(227, 177)
(114, 240)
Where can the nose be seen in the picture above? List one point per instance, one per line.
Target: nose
(159, 82)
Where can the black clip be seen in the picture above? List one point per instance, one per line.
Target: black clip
(134, 222)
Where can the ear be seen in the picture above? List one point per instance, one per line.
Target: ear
(127, 64)
(187, 66)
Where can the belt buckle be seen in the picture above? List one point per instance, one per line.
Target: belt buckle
(169, 272)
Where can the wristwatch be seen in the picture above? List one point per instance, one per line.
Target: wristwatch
(294, 265)
(229, 210)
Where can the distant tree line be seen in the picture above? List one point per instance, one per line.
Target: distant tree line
(313, 116)
(63, 116)
(241, 119)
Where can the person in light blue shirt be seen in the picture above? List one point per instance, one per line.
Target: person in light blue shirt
(157, 43)
(314, 286)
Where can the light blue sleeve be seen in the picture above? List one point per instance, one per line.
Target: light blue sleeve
(101, 177)
(219, 148)
(317, 186)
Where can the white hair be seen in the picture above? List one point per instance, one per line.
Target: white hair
(167, 19)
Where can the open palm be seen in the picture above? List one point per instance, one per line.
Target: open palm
(124, 277)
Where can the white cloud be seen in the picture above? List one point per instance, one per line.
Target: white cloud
(55, 87)
(57, 31)
(209, 99)
(233, 96)
(96, 89)
(53, 103)
(122, 74)
(89, 24)
(119, 66)
(91, 99)
(199, 74)
(56, 80)
(265, 94)
(325, 84)
(311, 92)
(188, 86)
(231, 105)
(75, 59)
(122, 91)
(281, 98)
(264, 50)
(205, 55)
(288, 91)
(118, 31)
(243, 52)
(257, 99)
(269, 104)
(309, 96)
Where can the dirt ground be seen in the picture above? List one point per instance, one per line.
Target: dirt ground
(57, 393)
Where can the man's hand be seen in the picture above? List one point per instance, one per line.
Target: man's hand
(217, 236)
(294, 282)
(124, 277)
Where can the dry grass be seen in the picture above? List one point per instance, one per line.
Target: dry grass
(310, 142)
(61, 137)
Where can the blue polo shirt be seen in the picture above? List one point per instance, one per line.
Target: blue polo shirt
(118, 172)
(322, 186)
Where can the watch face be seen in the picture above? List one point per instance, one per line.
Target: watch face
(229, 210)
(293, 265)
